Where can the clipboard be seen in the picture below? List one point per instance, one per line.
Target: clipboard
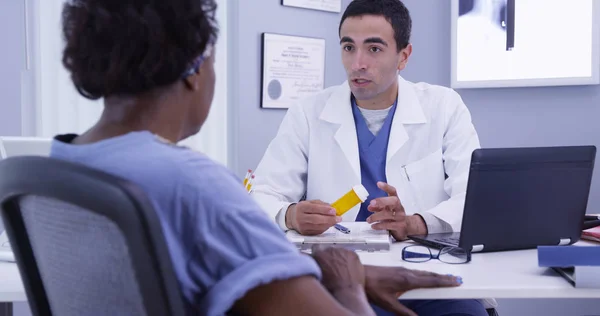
(361, 238)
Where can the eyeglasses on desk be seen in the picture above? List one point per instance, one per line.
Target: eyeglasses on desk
(452, 255)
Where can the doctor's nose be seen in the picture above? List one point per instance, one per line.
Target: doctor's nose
(359, 62)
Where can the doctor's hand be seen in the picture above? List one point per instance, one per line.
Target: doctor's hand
(311, 217)
(389, 215)
(385, 284)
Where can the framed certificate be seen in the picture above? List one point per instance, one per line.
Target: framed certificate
(293, 67)
(323, 5)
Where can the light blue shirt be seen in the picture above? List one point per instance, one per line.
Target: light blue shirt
(220, 241)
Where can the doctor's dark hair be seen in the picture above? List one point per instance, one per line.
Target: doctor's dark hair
(126, 47)
(394, 11)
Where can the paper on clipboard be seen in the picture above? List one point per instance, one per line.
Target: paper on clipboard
(361, 238)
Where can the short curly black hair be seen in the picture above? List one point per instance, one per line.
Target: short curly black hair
(125, 47)
(394, 12)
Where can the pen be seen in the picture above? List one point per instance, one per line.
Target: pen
(590, 224)
(591, 217)
(341, 228)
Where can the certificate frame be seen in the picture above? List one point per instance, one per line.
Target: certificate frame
(537, 80)
(285, 79)
(314, 5)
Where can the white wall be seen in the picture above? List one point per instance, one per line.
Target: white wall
(59, 108)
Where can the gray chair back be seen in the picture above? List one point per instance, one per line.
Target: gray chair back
(86, 243)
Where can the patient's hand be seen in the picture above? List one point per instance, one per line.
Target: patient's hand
(341, 268)
(385, 284)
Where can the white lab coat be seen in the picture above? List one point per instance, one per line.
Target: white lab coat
(315, 153)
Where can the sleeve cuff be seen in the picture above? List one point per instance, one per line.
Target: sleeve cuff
(280, 217)
(435, 224)
(223, 295)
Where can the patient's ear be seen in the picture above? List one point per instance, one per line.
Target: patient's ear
(193, 82)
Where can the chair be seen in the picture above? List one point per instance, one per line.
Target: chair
(86, 243)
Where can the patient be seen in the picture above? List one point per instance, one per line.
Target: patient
(152, 63)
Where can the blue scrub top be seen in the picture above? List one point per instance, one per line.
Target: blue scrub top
(372, 152)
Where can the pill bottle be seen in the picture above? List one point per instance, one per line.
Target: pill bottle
(356, 195)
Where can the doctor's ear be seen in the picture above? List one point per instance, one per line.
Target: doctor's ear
(404, 55)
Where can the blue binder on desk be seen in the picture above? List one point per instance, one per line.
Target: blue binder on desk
(580, 265)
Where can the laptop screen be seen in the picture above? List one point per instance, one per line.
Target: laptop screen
(11, 146)
(24, 146)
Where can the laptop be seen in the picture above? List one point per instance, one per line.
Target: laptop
(19, 146)
(521, 198)
(24, 146)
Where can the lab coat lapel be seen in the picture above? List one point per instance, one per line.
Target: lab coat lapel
(408, 111)
(338, 110)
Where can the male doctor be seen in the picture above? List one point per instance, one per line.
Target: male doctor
(409, 144)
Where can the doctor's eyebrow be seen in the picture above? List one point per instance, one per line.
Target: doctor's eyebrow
(370, 40)
(346, 39)
(376, 40)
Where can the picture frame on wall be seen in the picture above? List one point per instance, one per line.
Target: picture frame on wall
(321, 5)
(293, 67)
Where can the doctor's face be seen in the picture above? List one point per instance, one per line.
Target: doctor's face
(370, 55)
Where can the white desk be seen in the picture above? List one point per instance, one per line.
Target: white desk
(11, 287)
(511, 274)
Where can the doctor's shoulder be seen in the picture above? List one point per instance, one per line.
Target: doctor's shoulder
(438, 99)
(314, 102)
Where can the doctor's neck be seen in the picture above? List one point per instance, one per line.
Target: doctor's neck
(380, 101)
